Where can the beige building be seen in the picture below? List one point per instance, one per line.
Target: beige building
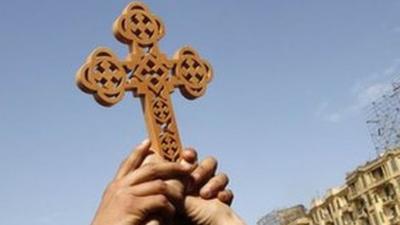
(284, 216)
(370, 196)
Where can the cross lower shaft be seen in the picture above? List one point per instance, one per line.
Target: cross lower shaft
(162, 127)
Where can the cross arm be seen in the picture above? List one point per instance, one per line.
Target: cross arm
(104, 76)
(191, 73)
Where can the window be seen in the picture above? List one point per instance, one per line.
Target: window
(352, 187)
(338, 204)
(393, 164)
(377, 174)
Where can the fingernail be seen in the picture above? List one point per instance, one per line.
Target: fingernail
(145, 141)
(186, 165)
(207, 193)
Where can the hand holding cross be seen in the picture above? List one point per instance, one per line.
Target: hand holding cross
(148, 73)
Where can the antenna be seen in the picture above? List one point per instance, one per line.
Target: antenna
(383, 119)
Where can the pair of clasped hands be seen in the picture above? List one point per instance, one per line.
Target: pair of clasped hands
(147, 191)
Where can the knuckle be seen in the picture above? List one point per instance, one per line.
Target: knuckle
(173, 167)
(162, 199)
(161, 186)
(152, 169)
(149, 164)
(177, 167)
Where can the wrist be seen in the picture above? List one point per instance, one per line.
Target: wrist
(229, 217)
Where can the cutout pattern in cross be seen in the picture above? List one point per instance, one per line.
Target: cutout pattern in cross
(148, 73)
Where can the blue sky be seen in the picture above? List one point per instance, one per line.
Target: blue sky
(284, 114)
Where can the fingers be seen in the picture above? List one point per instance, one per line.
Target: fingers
(226, 196)
(214, 186)
(204, 171)
(189, 158)
(190, 155)
(134, 160)
(157, 204)
(164, 170)
(157, 187)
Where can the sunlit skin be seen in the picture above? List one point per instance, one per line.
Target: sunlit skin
(141, 192)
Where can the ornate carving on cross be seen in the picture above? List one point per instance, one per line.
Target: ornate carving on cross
(148, 73)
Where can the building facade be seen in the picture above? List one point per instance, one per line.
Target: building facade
(370, 196)
(283, 216)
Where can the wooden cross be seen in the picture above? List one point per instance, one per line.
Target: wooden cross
(148, 73)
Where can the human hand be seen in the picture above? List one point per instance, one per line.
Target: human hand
(137, 192)
(208, 201)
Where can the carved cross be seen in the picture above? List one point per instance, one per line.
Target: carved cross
(148, 73)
